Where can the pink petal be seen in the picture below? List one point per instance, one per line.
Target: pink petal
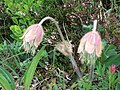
(39, 35)
(30, 36)
(82, 42)
(89, 48)
(94, 38)
(80, 47)
(99, 49)
(112, 68)
(28, 29)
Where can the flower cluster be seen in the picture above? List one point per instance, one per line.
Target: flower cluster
(90, 43)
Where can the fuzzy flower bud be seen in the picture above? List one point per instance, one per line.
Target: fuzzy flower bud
(112, 68)
(64, 47)
(32, 38)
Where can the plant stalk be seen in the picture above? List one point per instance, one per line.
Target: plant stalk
(94, 25)
(52, 19)
(74, 64)
(92, 72)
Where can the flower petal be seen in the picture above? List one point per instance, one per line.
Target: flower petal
(89, 48)
(99, 49)
(82, 42)
(39, 35)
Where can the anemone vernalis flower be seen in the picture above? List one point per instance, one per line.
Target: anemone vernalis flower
(112, 68)
(91, 43)
(32, 38)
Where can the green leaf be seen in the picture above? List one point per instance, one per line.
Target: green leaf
(30, 2)
(4, 83)
(73, 86)
(55, 87)
(110, 55)
(110, 50)
(31, 70)
(10, 68)
(100, 69)
(22, 21)
(42, 65)
(112, 60)
(8, 79)
(26, 8)
(15, 20)
(16, 30)
(119, 76)
(87, 28)
(118, 86)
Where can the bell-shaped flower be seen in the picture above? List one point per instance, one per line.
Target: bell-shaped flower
(32, 38)
(91, 43)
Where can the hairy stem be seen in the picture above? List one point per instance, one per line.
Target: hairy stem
(52, 19)
(92, 72)
(94, 25)
(74, 64)
(92, 65)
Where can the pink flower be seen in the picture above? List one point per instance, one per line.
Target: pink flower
(91, 43)
(112, 68)
(32, 38)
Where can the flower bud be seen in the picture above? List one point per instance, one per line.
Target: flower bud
(32, 38)
(112, 68)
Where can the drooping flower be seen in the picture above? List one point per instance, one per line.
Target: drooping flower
(91, 42)
(32, 38)
(112, 68)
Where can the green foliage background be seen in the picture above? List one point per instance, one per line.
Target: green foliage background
(76, 18)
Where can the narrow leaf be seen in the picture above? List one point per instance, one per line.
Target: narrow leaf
(31, 70)
(8, 77)
(4, 83)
